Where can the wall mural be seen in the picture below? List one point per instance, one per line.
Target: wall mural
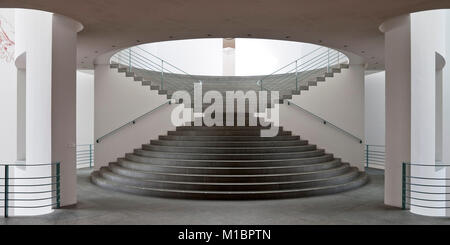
(6, 40)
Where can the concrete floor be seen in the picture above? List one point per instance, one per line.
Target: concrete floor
(99, 206)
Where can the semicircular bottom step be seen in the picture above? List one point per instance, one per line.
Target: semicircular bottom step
(228, 163)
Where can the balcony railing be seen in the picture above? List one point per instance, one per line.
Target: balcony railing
(425, 187)
(85, 156)
(298, 73)
(20, 191)
(374, 156)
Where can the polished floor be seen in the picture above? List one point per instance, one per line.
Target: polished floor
(99, 206)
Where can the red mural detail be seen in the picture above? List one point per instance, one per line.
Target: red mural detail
(6, 43)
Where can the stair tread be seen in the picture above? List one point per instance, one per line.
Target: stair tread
(231, 148)
(234, 168)
(237, 161)
(343, 166)
(231, 154)
(358, 178)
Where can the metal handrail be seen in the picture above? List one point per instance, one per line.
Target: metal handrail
(55, 182)
(132, 122)
(326, 122)
(138, 58)
(325, 59)
(409, 189)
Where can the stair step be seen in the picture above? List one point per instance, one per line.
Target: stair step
(229, 143)
(222, 128)
(223, 133)
(230, 195)
(143, 176)
(203, 156)
(229, 170)
(229, 163)
(228, 138)
(320, 79)
(229, 150)
(244, 183)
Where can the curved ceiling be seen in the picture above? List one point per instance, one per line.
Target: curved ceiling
(349, 25)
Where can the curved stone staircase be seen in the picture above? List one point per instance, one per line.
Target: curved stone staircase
(285, 87)
(228, 162)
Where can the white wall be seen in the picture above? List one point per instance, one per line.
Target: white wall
(339, 100)
(194, 56)
(427, 39)
(85, 107)
(8, 89)
(446, 95)
(263, 56)
(398, 105)
(374, 109)
(119, 100)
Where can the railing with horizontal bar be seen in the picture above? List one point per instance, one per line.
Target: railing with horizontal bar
(374, 156)
(21, 191)
(152, 68)
(326, 122)
(85, 155)
(318, 62)
(132, 122)
(425, 186)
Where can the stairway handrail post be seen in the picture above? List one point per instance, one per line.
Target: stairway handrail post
(162, 74)
(6, 201)
(328, 60)
(129, 60)
(367, 156)
(403, 186)
(58, 185)
(90, 155)
(296, 76)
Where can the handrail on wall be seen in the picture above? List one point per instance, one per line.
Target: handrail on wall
(326, 122)
(132, 122)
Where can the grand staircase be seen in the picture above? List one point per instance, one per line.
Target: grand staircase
(234, 162)
(228, 162)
